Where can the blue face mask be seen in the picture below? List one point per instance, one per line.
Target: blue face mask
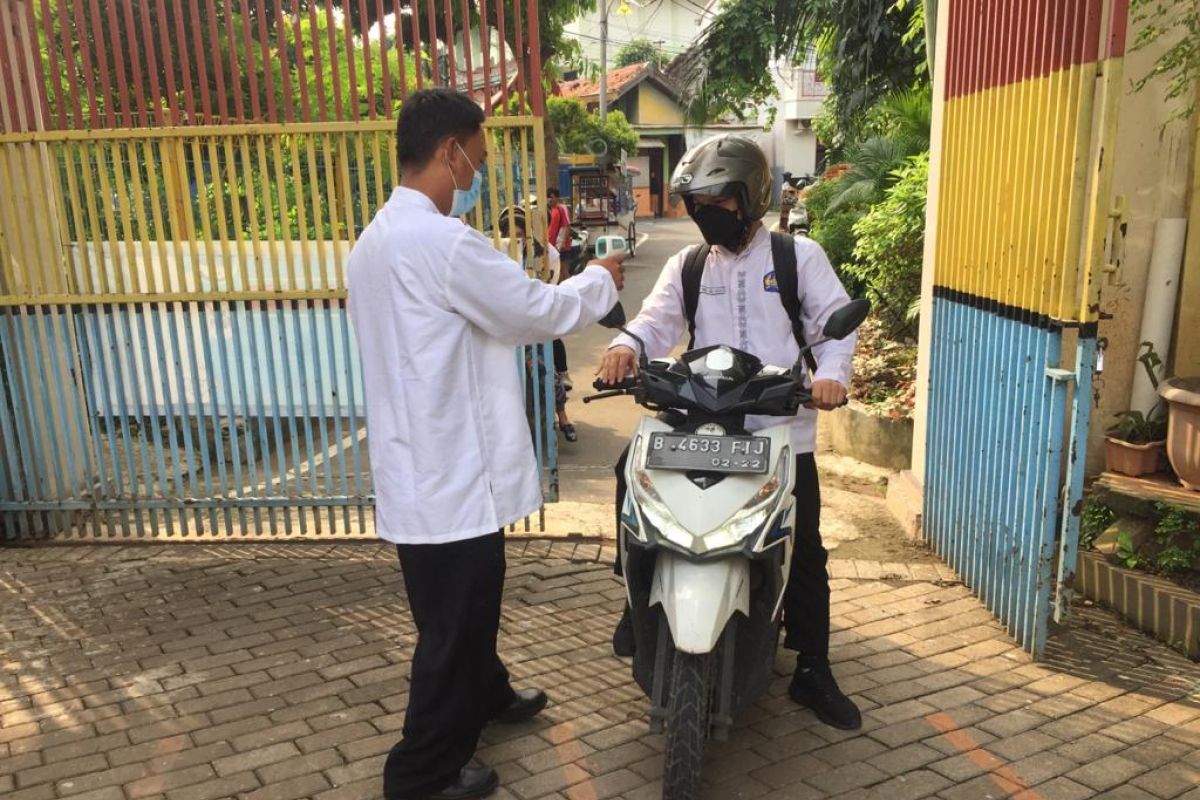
(465, 199)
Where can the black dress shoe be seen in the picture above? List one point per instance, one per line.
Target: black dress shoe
(814, 686)
(472, 782)
(624, 643)
(525, 706)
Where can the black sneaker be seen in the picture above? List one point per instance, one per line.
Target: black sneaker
(813, 686)
(624, 643)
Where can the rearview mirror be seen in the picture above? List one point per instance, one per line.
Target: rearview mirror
(846, 319)
(614, 319)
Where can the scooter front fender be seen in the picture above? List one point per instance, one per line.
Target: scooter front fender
(699, 598)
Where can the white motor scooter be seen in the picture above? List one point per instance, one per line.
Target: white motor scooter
(705, 536)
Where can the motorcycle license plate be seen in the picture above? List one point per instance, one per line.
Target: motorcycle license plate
(690, 451)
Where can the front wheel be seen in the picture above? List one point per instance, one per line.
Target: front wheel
(687, 725)
(631, 236)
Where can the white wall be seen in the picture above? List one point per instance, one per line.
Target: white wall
(642, 164)
(793, 148)
(801, 95)
(675, 22)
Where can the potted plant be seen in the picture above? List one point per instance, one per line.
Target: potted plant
(1134, 445)
(1182, 396)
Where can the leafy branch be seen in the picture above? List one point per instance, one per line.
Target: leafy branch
(1180, 64)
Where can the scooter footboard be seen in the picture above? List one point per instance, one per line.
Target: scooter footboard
(699, 598)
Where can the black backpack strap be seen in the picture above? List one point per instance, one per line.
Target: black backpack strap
(693, 270)
(783, 254)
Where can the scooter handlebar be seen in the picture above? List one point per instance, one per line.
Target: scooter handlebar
(625, 385)
(611, 389)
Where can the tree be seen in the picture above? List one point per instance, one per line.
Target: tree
(891, 247)
(834, 229)
(641, 51)
(901, 122)
(1180, 63)
(579, 131)
(207, 51)
(899, 126)
(863, 48)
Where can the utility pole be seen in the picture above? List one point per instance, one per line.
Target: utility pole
(603, 60)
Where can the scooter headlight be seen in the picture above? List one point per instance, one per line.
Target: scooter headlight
(752, 516)
(654, 509)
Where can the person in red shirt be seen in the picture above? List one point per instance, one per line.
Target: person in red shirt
(560, 224)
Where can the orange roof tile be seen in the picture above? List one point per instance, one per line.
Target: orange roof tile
(617, 79)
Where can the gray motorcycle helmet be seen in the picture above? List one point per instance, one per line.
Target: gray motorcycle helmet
(726, 165)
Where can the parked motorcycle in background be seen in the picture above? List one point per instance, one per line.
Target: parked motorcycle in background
(793, 215)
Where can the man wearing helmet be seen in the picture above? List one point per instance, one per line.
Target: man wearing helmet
(726, 184)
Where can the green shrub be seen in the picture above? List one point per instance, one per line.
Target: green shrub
(1094, 520)
(1173, 548)
(835, 233)
(819, 196)
(1176, 540)
(1135, 427)
(1128, 555)
(890, 248)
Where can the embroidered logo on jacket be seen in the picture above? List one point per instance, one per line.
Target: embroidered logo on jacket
(770, 284)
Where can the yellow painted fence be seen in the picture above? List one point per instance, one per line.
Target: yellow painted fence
(174, 350)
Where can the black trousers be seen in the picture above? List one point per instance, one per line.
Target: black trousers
(806, 599)
(560, 356)
(458, 683)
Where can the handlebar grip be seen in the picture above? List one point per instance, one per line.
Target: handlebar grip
(806, 400)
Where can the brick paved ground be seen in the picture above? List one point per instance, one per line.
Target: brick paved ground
(279, 671)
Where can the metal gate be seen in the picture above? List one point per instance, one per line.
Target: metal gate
(183, 182)
(1029, 114)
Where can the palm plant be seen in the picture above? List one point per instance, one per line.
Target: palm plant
(902, 126)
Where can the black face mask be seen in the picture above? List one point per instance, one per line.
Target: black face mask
(721, 227)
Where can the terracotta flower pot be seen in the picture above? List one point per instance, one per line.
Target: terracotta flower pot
(1183, 428)
(1129, 459)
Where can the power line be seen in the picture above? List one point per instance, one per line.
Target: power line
(671, 51)
(706, 12)
(676, 50)
(679, 40)
(650, 19)
(674, 38)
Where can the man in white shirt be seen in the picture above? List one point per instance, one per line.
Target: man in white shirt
(438, 313)
(726, 184)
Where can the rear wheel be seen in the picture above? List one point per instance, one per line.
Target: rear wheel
(687, 725)
(631, 235)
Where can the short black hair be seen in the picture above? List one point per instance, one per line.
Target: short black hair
(429, 116)
(553, 193)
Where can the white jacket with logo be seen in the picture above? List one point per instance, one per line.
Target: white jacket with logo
(739, 306)
(437, 313)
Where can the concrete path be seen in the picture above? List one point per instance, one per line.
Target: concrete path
(279, 671)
